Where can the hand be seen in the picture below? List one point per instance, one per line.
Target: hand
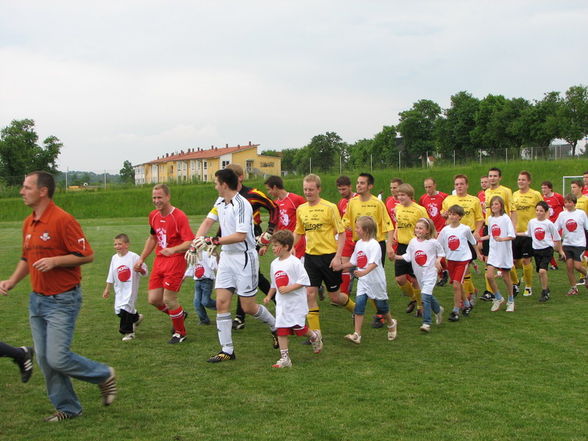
(45, 264)
(266, 300)
(5, 286)
(284, 289)
(262, 251)
(264, 239)
(167, 252)
(105, 294)
(202, 242)
(138, 266)
(358, 273)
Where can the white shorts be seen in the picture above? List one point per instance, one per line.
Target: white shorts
(238, 272)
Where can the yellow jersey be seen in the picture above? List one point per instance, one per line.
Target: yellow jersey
(406, 219)
(374, 208)
(471, 207)
(505, 193)
(320, 223)
(524, 204)
(582, 204)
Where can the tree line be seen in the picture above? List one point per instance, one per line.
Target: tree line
(470, 125)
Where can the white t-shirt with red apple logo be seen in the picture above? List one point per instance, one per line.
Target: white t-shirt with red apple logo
(455, 242)
(500, 253)
(543, 233)
(423, 254)
(372, 284)
(573, 224)
(125, 281)
(292, 307)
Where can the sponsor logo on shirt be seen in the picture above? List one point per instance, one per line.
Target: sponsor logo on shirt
(420, 257)
(453, 243)
(571, 225)
(539, 233)
(123, 273)
(281, 278)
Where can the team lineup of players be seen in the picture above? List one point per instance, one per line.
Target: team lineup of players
(431, 241)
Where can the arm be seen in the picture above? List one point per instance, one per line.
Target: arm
(205, 226)
(147, 250)
(367, 270)
(69, 260)
(336, 262)
(289, 288)
(390, 244)
(271, 293)
(106, 292)
(20, 272)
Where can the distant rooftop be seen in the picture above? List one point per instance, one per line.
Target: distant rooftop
(201, 153)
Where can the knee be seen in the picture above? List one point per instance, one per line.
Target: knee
(58, 360)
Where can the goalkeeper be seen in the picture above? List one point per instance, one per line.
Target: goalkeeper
(238, 265)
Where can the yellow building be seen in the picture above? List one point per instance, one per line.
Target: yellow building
(200, 164)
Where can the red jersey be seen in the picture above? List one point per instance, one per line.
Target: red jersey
(392, 202)
(349, 244)
(433, 206)
(171, 230)
(585, 190)
(556, 205)
(288, 206)
(55, 233)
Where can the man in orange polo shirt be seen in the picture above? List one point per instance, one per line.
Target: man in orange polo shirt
(54, 248)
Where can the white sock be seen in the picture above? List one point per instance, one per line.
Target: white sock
(265, 316)
(224, 327)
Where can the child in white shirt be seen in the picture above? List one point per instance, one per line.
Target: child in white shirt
(455, 239)
(203, 273)
(367, 258)
(424, 252)
(573, 224)
(125, 280)
(501, 233)
(288, 283)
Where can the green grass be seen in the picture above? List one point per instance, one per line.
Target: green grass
(197, 198)
(492, 376)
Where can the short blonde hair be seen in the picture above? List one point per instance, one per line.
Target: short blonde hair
(162, 187)
(313, 178)
(431, 230)
(406, 189)
(367, 224)
(236, 168)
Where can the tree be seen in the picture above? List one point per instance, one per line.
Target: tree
(20, 153)
(127, 173)
(324, 151)
(573, 115)
(417, 127)
(453, 133)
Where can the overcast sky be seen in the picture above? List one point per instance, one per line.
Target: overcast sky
(118, 80)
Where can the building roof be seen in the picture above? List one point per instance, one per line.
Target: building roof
(199, 153)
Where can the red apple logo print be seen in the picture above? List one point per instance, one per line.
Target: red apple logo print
(420, 257)
(124, 273)
(571, 225)
(361, 259)
(198, 271)
(495, 230)
(539, 233)
(281, 278)
(453, 242)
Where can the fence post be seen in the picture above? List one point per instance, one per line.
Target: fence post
(371, 163)
(454, 158)
(506, 154)
(480, 152)
(398, 159)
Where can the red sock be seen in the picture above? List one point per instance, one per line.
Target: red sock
(162, 308)
(177, 318)
(553, 262)
(345, 282)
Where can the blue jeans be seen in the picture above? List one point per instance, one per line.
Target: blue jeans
(53, 321)
(361, 301)
(429, 303)
(202, 293)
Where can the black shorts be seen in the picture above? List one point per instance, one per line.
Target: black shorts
(574, 253)
(402, 267)
(485, 243)
(543, 258)
(522, 247)
(317, 267)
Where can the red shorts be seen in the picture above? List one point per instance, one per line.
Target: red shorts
(349, 245)
(168, 273)
(457, 270)
(294, 330)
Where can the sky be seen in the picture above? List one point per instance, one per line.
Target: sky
(131, 80)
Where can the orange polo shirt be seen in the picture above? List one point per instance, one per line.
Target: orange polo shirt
(56, 233)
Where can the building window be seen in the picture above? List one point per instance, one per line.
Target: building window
(224, 164)
(205, 165)
(249, 165)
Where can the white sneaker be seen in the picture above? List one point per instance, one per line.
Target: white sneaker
(439, 316)
(138, 322)
(128, 337)
(283, 363)
(317, 343)
(393, 330)
(355, 338)
(496, 304)
(528, 291)
(510, 306)
(425, 327)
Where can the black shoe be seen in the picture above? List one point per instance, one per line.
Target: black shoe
(238, 323)
(467, 310)
(410, 307)
(444, 278)
(173, 330)
(544, 296)
(516, 289)
(418, 313)
(177, 338)
(453, 317)
(378, 321)
(221, 356)
(275, 342)
(487, 296)
(204, 322)
(26, 363)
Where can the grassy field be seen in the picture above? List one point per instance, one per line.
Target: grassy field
(196, 199)
(493, 376)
